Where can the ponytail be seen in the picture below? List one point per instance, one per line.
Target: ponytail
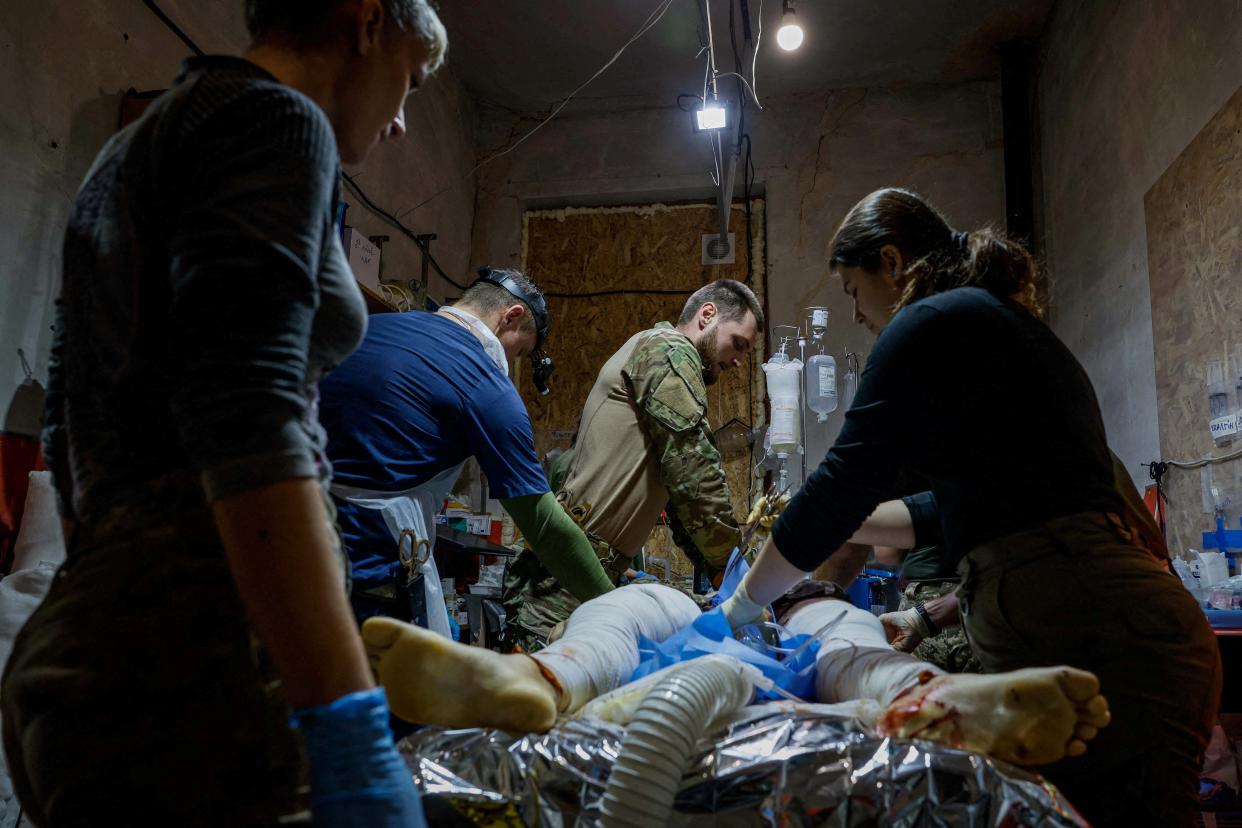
(938, 257)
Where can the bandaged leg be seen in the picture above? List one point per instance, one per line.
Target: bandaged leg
(855, 660)
(1028, 717)
(599, 649)
(431, 680)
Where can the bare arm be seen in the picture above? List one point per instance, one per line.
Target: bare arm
(843, 566)
(945, 610)
(890, 555)
(889, 525)
(771, 576)
(283, 559)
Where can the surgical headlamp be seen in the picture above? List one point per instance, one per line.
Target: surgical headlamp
(541, 363)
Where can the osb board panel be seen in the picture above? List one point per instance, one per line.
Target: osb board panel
(579, 251)
(1194, 254)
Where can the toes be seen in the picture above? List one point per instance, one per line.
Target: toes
(1075, 748)
(1086, 732)
(380, 632)
(1095, 712)
(1078, 685)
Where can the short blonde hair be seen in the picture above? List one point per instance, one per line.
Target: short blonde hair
(419, 16)
(306, 21)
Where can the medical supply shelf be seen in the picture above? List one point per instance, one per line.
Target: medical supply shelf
(465, 543)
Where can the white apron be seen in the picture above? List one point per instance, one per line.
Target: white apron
(411, 520)
(411, 515)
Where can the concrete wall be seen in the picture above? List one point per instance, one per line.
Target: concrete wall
(63, 70)
(1125, 85)
(815, 156)
(429, 167)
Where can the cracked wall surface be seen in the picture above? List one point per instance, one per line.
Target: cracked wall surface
(815, 155)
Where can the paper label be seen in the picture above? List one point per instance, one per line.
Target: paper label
(782, 430)
(1224, 426)
(828, 380)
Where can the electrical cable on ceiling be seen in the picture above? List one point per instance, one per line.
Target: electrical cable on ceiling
(706, 11)
(173, 27)
(754, 54)
(744, 82)
(687, 95)
(652, 19)
(748, 168)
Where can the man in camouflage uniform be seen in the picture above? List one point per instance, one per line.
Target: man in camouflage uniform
(930, 575)
(643, 446)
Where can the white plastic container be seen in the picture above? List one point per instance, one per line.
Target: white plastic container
(821, 385)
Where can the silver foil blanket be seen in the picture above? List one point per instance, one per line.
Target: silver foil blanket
(779, 766)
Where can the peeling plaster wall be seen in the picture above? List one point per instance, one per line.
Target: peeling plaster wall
(1124, 87)
(63, 70)
(815, 156)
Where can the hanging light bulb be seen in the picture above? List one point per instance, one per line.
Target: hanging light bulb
(789, 35)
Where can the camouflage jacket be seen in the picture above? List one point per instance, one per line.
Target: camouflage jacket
(666, 375)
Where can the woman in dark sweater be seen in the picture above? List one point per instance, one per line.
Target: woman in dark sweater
(205, 293)
(966, 386)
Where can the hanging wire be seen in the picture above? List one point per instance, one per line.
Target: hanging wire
(652, 19)
(352, 185)
(745, 83)
(754, 55)
(172, 26)
(25, 365)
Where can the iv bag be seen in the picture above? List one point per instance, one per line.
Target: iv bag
(784, 384)
(821, 385)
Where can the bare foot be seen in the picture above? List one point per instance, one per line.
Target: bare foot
(1027, 717)
(431, 680)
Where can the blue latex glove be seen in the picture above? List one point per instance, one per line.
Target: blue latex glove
(356, 775)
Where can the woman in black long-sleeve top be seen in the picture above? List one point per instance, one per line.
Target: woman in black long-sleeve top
(966, 386)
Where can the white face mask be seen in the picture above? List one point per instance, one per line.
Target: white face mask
(491, 343)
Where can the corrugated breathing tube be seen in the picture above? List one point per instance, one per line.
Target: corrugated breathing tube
(660, 740)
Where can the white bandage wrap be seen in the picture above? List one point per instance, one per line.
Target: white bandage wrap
(599, 650)
(855, 660)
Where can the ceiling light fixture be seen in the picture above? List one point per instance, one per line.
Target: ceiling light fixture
(711, 116)
(789, 36)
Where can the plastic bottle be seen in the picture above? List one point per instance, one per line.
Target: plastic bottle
(821, 385)
(819, 323)
(784, 376)
(1223, 421)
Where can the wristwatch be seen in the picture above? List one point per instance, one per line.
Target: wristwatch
(926, 616)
